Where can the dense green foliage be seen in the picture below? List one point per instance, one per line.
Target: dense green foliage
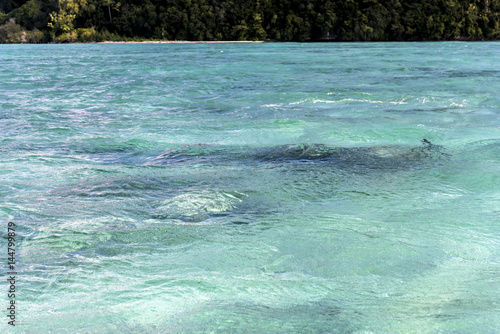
(299, 20)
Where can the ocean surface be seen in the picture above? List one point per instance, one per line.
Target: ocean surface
(252, 188)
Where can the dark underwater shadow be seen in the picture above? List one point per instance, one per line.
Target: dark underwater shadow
(357, 158)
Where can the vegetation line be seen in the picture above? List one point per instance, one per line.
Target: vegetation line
(38, 21)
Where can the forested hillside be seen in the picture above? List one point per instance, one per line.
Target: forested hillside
(283, 20)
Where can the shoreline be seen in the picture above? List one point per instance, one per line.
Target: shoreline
(259, 42)
(178, 42)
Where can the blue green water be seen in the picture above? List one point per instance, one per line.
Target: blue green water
(152, 190)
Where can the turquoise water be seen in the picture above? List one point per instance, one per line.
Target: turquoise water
(257, 188)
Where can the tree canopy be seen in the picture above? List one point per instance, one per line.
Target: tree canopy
(282, 20)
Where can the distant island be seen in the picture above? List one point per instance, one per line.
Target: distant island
(66, 21)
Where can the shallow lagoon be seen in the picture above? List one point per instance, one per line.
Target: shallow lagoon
(119, 232)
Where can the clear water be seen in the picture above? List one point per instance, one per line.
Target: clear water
(144, 201)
